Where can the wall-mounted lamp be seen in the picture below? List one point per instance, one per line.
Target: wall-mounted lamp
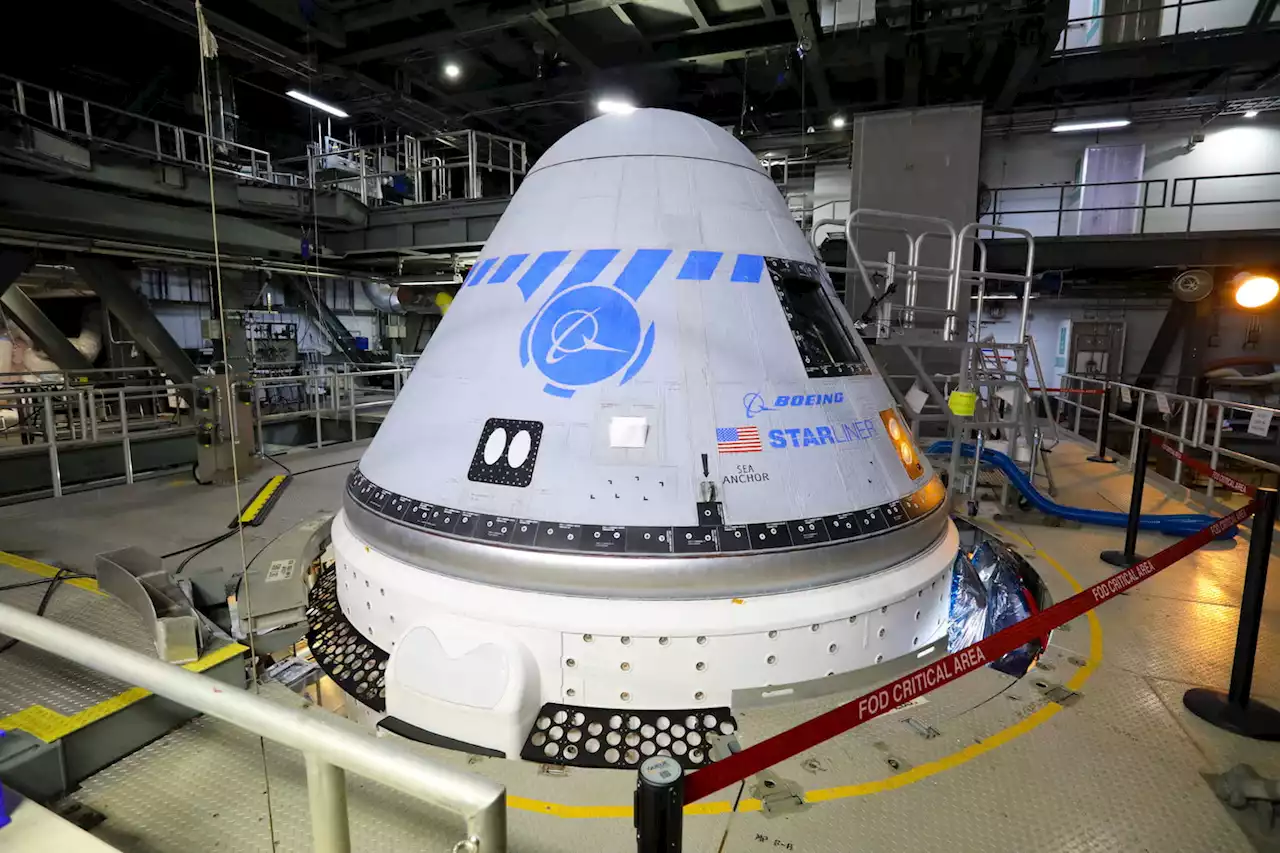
(1255, 291)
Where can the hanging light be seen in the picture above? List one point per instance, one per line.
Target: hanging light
(452, 70)
(1255, 291)
(316, 102)
(1103, 124)
(615, 106)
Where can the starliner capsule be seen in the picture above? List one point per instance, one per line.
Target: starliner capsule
(644, 474)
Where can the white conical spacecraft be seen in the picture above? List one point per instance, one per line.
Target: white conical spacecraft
(644, 473)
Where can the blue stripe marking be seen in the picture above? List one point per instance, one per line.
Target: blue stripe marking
(479, 271)
(506, 268)
(538, 272)
(587, 267)
(748, 268)
(557, 391)
(700, 266)
(646, 348)
(640, 270)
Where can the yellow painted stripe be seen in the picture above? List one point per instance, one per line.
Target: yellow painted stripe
(46, 571)
(877, 786)
(259, 500)
(49, 725)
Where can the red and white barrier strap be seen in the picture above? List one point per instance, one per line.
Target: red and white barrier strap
(880, 701)
(1203, 467)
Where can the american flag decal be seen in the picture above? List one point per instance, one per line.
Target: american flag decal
(738, 440)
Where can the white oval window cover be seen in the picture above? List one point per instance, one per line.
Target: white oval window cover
(495, 445)
(519, 451)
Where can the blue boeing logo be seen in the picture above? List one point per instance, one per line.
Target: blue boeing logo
(753, 403)
(587, 332)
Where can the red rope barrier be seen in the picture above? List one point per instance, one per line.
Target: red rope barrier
(1203, 467)
(884, 699)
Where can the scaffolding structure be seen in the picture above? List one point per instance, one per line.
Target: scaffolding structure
(988, 398)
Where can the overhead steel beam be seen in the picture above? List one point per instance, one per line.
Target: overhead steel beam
(387, 12)
(12, 265)
(476, 23)
(1187, 54)
(127, 305)
(729, 42)
(562, 43)
(1024, 61)
(803, 14)
(621, 14)
(1263, 13)
(695, 12)
(317, 21)
(43, 333)
(31, 204)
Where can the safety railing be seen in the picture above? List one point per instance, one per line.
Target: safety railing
(1059, 210)
(65, 412)
(417, 170)
(1187, 422)
(1151, 206)
(1222, 191)
(62, 419)
(335, 395)
(1150, 21)
(464, 164)
(329, 747)
(91, 122)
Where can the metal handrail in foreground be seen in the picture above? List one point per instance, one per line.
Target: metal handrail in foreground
(329, 748)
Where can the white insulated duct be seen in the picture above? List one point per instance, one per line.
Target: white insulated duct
(88, 343)
(383, 296)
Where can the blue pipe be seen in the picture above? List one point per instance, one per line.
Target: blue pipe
(1174, 525)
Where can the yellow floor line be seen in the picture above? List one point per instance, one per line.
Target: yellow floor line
(46, 571)
(49, 725)
(877, 786)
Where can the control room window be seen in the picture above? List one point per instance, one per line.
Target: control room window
(825, 346)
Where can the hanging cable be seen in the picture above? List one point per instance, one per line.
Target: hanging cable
(208, 51)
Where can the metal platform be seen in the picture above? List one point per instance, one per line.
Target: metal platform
(1091, 750)
(93, 720)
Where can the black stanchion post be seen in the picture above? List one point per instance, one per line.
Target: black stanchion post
(1234, 710)
(659, 805)
(1129, 555)
(1101, 455)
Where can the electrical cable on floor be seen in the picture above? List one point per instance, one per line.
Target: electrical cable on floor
(276, 461)
(208, 543)
(39, 581)
(325, 467)
(205, 546)
(54, 582)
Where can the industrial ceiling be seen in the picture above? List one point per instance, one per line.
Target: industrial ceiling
(532, 70)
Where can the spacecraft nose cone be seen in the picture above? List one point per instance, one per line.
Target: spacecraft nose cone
(646, 360)
(649, 133)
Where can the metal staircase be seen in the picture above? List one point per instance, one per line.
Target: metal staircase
(988, 396)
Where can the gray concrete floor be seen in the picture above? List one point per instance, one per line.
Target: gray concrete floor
(1119, 769)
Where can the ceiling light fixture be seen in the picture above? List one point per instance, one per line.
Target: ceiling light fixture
(315, 102)
(1102, 124)
(1255, 291)
(452, 70)
(615, 106)
(837, 122)
(1251, 114)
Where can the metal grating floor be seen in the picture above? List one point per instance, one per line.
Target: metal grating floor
(985, 764)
